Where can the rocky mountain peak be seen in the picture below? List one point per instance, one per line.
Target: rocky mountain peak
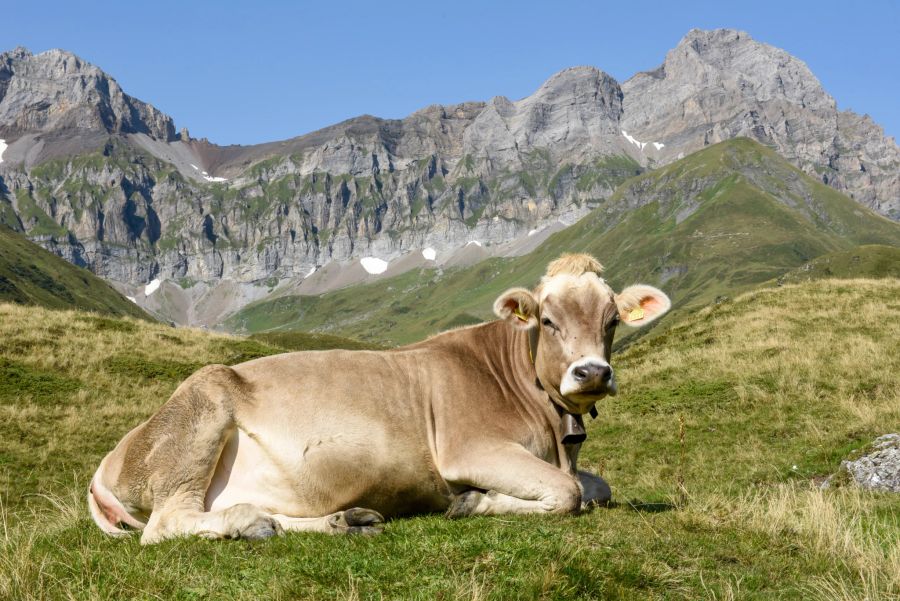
(57, 91)
(17, 53)
(709, 57)
(720, 84)
(574, 113)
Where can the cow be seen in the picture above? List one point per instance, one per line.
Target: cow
(479, 420)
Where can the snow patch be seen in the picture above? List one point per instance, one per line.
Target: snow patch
(206, 175)
(429, 253)
(374, 265)
(311, 271)
(3, 148)
(533, 232)
(132, 299)
(475, 242)
(152, 287)
(639, 144)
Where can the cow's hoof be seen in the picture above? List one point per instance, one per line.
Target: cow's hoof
(357, 520)
(464, 504)
(264, 527)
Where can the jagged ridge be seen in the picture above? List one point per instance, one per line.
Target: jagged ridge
(144, 203)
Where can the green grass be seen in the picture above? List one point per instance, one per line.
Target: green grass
(303, 341)
(31, 275)
(712, 225)
(733, 513)
(869, 261)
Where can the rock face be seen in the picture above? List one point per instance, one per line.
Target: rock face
(102, 179)
(142, 203)
(718, 85)
(56, 90)
(876, 468)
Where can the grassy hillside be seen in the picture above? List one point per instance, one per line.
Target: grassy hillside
(715, 223)
(311, 341)
(773, 388)
(33, 276)
(870, 261)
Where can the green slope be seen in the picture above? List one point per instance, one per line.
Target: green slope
(715, 223)
(33, 276)
(869, 261)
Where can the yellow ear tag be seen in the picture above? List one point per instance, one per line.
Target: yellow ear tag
(636, 314)
(518, 313)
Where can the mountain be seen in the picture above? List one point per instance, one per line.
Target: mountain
(721, 84)
(55, 98)
(30, 275)
(101, 179)
(720, 221)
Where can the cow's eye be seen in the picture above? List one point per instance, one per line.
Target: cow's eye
(548, 323)
(613, 322)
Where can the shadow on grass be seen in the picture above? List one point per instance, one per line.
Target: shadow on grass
(644, 506)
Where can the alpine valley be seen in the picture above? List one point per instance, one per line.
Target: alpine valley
(726, 166)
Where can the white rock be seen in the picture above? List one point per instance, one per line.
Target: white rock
(374, 265)
(3, 148)
(475, 242)
(132, 299)
(429, 253)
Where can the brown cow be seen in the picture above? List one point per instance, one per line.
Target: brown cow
(470, 421)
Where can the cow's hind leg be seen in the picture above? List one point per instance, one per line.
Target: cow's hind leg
(172, 457)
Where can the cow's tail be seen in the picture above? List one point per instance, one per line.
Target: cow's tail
(107, 511)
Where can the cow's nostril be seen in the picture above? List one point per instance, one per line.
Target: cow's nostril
(581, 373)
(605, 373)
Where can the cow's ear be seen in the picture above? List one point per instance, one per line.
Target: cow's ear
(518, 307)
(639, 305)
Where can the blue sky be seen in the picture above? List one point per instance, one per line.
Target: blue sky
(242, 72)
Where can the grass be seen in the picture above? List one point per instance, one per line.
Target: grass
(31, 275)
(869, 261)
(773, 388)
(714, 224)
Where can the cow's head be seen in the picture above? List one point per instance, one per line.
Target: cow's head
(575, 314)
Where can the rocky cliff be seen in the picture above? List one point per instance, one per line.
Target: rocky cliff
(101, 179)
(57, 92)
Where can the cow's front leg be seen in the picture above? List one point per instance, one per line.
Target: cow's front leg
(509, 479)
(595, 490)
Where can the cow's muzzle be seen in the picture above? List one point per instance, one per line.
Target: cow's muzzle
(588, 377)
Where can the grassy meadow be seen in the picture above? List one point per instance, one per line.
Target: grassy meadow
(726, 423)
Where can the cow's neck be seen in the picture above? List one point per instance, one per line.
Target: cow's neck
(517, 351)
(572, 425)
